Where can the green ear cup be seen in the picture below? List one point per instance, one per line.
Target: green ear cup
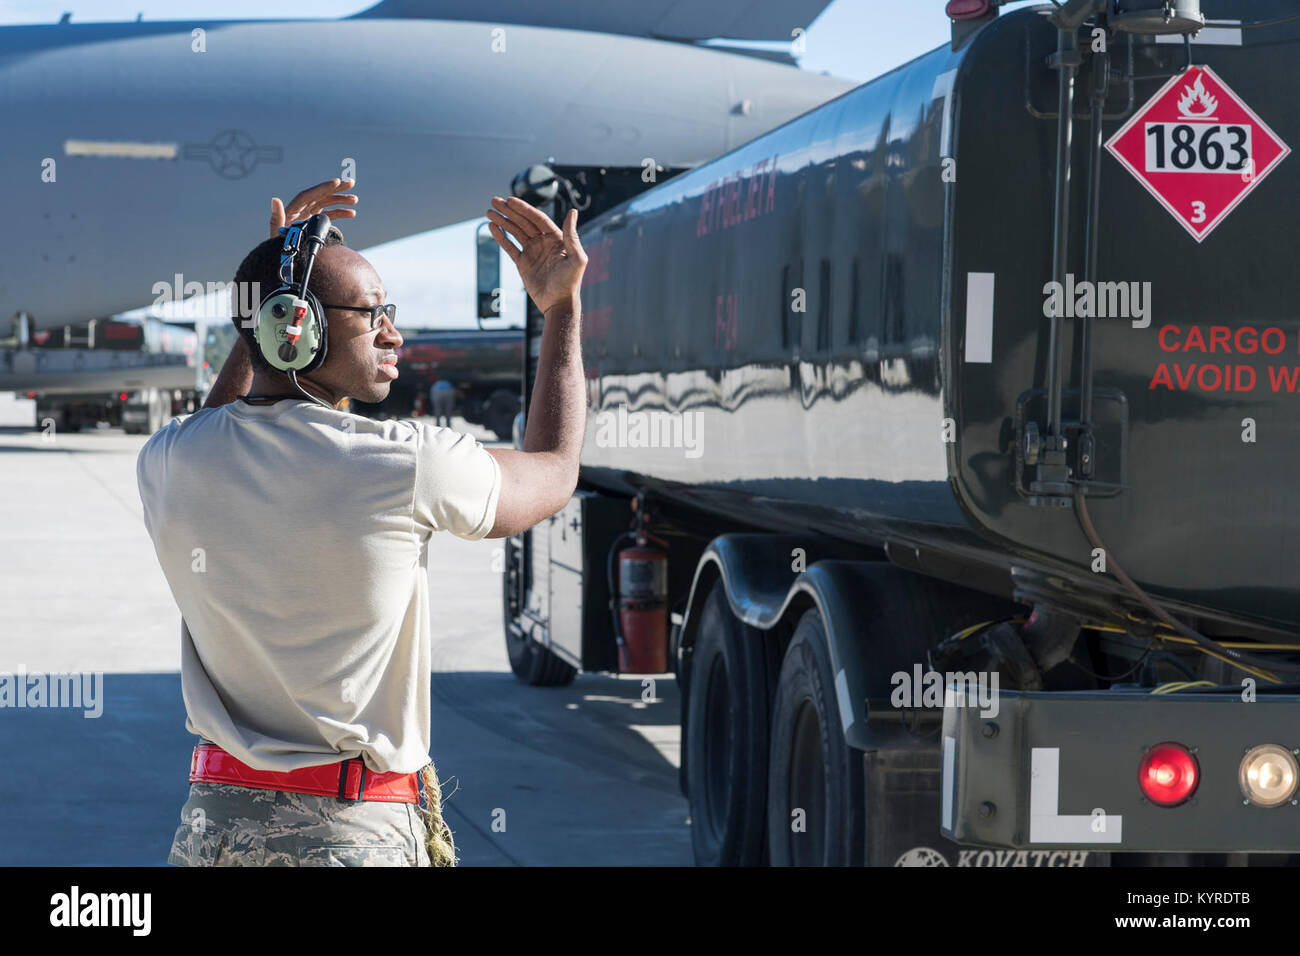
(273, 319)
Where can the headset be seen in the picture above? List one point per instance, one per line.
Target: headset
(290, 329)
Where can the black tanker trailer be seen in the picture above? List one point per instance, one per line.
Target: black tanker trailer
(943, 441)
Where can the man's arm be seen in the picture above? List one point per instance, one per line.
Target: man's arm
(538, 481)
(236, 377)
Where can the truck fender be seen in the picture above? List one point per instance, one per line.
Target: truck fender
(879, 619)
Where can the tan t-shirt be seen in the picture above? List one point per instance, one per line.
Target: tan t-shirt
(294, 539)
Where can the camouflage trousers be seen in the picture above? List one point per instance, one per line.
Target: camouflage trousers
(228, 825)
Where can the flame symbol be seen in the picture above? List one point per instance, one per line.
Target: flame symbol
(1197, 93)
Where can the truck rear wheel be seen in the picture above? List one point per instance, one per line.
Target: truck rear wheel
(535, 665)
(726, 738)
(815, 806)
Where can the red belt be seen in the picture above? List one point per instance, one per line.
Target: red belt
(347, 780)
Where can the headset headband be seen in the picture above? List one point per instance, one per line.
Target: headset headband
(292, 234)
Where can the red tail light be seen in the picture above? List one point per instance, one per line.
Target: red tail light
(122, 397)
(1168, 774)
(967, 9)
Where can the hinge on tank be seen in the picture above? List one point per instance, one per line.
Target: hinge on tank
(1092, 457)
(1051, 485)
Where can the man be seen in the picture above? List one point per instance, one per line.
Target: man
(442, 401)
(294, 539)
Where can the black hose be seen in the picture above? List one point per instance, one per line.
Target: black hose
(609, 584)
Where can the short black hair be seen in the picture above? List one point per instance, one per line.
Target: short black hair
(259, 275)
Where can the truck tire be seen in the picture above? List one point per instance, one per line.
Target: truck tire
(532, 664)
(810, 767)
(726, 738)
(535, 665)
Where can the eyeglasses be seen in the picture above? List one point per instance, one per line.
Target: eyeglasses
(375, 312)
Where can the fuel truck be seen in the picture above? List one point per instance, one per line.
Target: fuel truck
(940, 443)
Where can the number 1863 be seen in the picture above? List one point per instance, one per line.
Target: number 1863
(1197, 148)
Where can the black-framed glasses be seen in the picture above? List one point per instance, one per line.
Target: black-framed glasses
(375, 311)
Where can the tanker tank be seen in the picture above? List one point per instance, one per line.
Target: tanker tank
(851, 318)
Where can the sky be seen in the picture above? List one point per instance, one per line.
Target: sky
(854, 39)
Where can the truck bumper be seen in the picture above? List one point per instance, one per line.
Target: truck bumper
(1059, 770)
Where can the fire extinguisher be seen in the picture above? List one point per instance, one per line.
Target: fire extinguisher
(640, 601)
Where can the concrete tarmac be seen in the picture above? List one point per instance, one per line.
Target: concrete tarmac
(581, 775)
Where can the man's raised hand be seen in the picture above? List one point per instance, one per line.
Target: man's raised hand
(312, 200)
(550, 261)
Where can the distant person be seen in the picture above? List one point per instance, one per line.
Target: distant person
(442, 401)
(294, 538)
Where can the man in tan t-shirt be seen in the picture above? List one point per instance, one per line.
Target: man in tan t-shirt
(294, 537)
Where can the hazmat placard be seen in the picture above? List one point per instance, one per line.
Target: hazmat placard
(1198, 149)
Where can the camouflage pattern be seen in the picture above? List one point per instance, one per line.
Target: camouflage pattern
(227, 825)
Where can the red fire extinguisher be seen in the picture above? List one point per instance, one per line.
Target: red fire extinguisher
(641, 597)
